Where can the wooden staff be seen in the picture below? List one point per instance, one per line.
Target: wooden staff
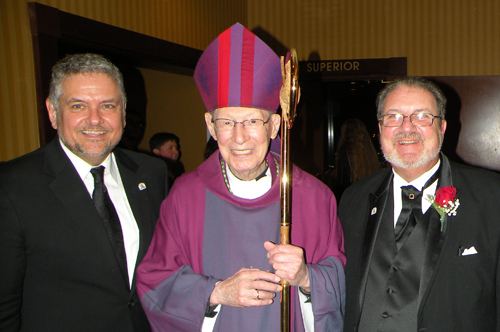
(289, 98)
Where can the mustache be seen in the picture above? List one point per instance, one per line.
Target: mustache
(94, 128)
(413, 135)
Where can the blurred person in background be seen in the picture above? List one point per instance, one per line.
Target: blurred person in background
(356, 156)
(167, 146)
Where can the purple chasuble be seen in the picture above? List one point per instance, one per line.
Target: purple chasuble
(237, 240)
(206, 234)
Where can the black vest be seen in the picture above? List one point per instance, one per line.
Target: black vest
(392, 289)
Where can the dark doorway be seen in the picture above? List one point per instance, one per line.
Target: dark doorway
(350, 99)
(323, 108)
(332, 92)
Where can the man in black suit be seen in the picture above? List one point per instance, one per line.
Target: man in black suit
(421, 261)
(67, 260)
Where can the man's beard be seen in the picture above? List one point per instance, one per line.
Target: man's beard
(426, 157)
(79, 150)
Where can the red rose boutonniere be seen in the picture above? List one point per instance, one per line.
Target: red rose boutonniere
(445, 203)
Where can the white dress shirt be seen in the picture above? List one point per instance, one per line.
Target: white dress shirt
(418, 183)
(117, 194)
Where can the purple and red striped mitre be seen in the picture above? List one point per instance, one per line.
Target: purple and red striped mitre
(239, 70)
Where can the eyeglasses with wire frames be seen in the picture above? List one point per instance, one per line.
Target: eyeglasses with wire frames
(223, 124)
(416, 119)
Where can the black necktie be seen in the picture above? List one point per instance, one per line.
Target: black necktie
(412, 209)
(109, 217)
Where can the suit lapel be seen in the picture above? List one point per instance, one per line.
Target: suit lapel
(135, 185)
(73, 195)
(435, 238)
(378, 205)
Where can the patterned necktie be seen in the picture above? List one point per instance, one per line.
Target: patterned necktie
(411, 210)
(109, 217)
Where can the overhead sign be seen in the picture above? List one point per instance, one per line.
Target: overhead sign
(352, 68)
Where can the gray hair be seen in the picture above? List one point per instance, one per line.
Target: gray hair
(87, 63)
(412, 82)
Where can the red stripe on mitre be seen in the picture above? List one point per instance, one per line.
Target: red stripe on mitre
(224, 61)
(247, 67)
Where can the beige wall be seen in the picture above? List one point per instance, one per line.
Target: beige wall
(439, 37)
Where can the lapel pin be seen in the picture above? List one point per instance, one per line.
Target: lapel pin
(374, 211)
(142, 186)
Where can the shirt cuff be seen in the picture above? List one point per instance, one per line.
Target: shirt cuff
(308, 295)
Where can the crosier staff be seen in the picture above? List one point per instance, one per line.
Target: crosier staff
(289, 98)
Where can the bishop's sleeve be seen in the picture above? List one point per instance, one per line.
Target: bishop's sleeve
(172, 289)
(318, 230)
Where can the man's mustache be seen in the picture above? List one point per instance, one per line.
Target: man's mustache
(414, 135)
(94, 128)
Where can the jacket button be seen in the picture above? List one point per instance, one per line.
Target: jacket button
(385, 314)
(395, 268)
(389, 291)
(131, 304)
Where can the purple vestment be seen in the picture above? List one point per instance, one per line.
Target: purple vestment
(206, 234)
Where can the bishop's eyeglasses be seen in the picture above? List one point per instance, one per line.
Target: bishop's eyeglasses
(249, 124)
(416, 119)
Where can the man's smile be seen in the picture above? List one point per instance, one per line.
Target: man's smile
(241, 152)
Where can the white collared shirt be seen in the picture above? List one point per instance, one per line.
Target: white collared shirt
(418, 183)
(249, 189)
(114, 185)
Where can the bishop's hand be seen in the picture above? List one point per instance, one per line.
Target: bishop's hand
(246, 288)
(289, 263)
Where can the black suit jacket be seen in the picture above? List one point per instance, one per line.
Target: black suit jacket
(457, 293)
(58, 271)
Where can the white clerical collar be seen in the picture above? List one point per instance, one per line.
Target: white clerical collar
(249, 189)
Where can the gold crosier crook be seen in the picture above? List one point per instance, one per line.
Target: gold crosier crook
(289, 98)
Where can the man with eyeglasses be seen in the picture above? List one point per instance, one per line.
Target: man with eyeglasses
(423, 237)
(214, 263)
